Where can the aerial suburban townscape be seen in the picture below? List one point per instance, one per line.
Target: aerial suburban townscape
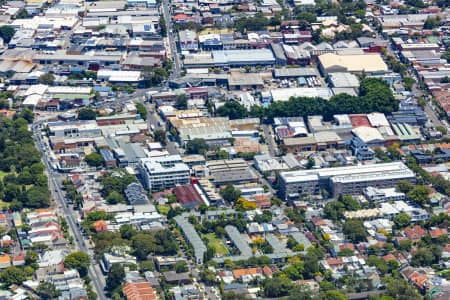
(225, 149)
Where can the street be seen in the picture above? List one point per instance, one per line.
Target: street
(171, 36)
(94, 271)
(269, 140)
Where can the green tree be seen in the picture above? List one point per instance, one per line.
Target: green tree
(12, 275)
(333, 295)
(115, 276)
(94, 159)
(300, 292)
(6, 33)
(196, 146)
(233, 110)
(160, 136)
(37, 197)
(394, 153)
(345, 252)
(431, 22)
(141, 110)
(446, 56)
(419, 194)
(147, 265)
(230, 194)
(180, 266)
(277, 287)
(22, 14)
(208, 277)
(31, 257)
(307, 16)
(427, 256)
(143, 244)
(181, 101)
(86, 114)
(97, 215)
(162, 26)
(79, 261)
(234, 296)
(441, 129)
(115, 198)
(48, 79)
(47, 291)
(334, 210)
(354, 230)
(400, 289)
(404, 186)
(408, 82)
(402, 220)
(127, 231)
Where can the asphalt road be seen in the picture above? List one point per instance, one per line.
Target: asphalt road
(171, 36)
(80, 244)
(155, 120)
(269, 140)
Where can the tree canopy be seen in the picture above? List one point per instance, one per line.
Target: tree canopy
(6, 33)
(79, 261)
(141, 110)
(354, 230)
(47, 79)
(196, 146)
(375, 95)
(12, 275)
(86, 114)
(115, 276)
(94, 159)
(47, 291)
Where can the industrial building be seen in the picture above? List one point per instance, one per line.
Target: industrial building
(343, 180)
(231, 58)
(368, 63)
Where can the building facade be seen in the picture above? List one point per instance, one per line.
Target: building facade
(163, 172)
(343, 180)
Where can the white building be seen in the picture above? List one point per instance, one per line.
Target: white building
(383, 195)
(166, 171)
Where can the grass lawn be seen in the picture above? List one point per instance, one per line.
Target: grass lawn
(217, 244)
(163, 209)
(3, 174)
(3, 204)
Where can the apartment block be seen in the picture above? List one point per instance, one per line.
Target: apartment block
(343, 180)
(163, 172)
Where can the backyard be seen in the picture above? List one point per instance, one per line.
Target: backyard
(216, 243)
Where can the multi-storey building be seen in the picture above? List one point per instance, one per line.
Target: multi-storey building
(343, 180)
(163, 172)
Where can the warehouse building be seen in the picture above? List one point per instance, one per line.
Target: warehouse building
(286, 93)
(351, 180)
(357, 63)
(343, 80)
(231, 58)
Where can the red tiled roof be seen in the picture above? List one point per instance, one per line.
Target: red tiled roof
(389, 257)
(139, 291)
(334, 261)
(438, 232)
(267, 271)
(238, 273)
